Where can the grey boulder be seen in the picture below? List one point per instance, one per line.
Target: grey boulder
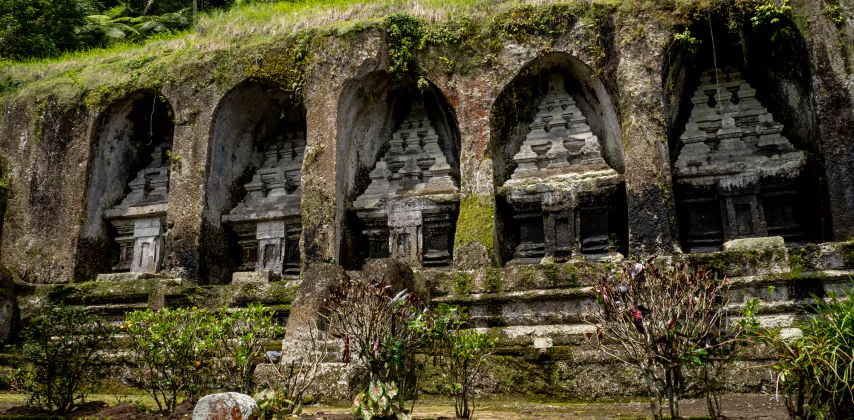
(226, 406)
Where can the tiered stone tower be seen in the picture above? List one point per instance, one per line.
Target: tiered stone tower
(410, 207)
(140, 218)
(268, 221)
(561, 188)
(737, 165)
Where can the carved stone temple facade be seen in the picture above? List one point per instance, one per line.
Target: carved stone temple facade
(140, 217)
(561, 188)
(737, 169)
(268, 221)
(409, 208)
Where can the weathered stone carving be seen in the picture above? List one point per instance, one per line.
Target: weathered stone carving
(267, 221)
(140, 217)
(738, 168)
(410, 207)
(560, 191)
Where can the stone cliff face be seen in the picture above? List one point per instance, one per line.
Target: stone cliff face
(514, 157)
(68, 151)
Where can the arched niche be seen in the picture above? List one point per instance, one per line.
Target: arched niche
(558, 162)
(742, 135)
(128, 186)
(397, 198)
(252, 218)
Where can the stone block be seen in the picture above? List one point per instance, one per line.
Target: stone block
(251, 277)
(744, 244)
(397, 274)
(119, 277)
(317, 281)
(226, 406)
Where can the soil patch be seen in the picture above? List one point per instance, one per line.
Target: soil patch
(736, 407)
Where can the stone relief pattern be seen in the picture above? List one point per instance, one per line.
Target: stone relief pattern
(561, 188)
(410, 206)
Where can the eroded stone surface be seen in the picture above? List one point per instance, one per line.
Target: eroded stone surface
(561, 188)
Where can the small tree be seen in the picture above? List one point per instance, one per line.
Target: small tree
(293, 376)
(172, 353)
(667, 321)
(62, 350)
(373, 322)
(461, 354)
(241, 338)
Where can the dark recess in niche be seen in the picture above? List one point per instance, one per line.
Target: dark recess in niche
(250, 117)
(370, 111)
(780, 73)
(510, 121)
(124, 138)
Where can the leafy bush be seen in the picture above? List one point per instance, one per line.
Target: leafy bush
(815, 370)
(374, 323)
(173, 352)
(461, 354)
(241, 338)
(669, 322)
(62, 350)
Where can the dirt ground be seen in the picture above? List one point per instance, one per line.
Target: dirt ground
(754, 406)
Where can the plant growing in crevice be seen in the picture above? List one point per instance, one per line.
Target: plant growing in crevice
(403, 34)
(373, 321)
(834, 13)
(670, 323)
(687, 41)
(62, 353)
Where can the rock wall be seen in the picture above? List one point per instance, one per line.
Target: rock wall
(629, 74)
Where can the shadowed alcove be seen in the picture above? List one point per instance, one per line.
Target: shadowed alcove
(252, 222)
(398, 172)
(128, 181)
(742, 136)
(558, 164)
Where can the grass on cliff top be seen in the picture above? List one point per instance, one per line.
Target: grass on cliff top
(219, 29)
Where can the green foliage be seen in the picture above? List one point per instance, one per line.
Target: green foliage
(476, 223)
(377, 402)
(530, 20)
(40, 28)
(460, 353)
(462, 283)
(687, 41)
(770, 17)
(241, 338)
(173, 351)
(404, 34)
(834, 13)
(103, 30)
(377, 324)
(61, 352)
(275, 403)
(815, 370)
